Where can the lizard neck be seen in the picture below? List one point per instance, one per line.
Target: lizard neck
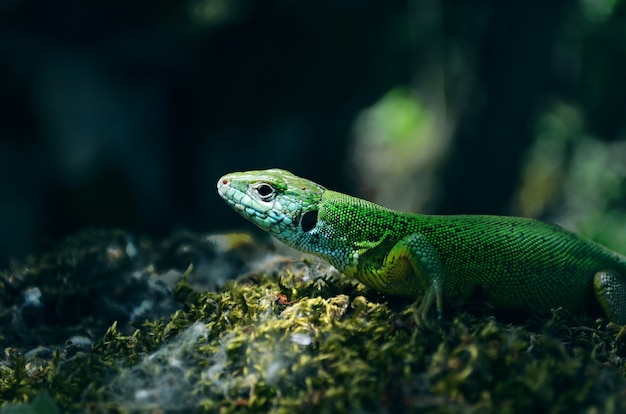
(346, 227)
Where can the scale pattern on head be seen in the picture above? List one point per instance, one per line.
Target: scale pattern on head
(275, 200)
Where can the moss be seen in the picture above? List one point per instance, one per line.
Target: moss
(292, 335)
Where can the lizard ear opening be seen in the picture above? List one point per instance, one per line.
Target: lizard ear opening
(309, 220)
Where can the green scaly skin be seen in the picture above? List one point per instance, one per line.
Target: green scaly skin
(515, 262)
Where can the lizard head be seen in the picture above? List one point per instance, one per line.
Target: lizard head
(276, 200)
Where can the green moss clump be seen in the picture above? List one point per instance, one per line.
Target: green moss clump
(297, 336)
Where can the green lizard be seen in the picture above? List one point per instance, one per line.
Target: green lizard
(516, 262)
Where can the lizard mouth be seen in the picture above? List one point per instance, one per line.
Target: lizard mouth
(256, 211)
(236, 198)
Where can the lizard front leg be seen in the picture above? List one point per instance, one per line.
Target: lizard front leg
(610, 291)
(411, 268)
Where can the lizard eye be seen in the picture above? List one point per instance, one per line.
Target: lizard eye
(309, 220)
(265, 191)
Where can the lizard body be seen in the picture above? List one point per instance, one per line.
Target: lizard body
(515, 262)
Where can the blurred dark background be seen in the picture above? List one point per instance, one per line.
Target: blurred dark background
(125, 114)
